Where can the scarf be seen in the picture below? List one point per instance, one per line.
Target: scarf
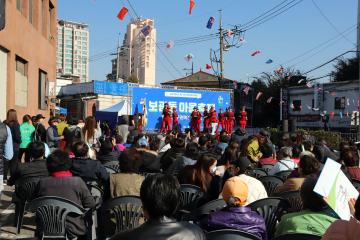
(65, 173)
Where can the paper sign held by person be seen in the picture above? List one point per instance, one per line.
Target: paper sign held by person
(336, 189)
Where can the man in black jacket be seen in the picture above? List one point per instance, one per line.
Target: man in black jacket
(35, 168)
(89, 170)
(40, 130)
(177, 150)
(160, 196)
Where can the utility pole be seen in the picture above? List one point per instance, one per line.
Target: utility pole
(222, 49)
(117, 59)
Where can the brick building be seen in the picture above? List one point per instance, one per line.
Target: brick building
(28, 57)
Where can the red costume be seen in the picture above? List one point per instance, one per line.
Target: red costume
(195, 121)
(230, 121)
(166, 121)
(221, 117)
(243, 119)
(206, 120)
(175, 118)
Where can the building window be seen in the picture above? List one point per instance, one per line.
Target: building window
(19, 4)
(296, 106)
(21, 82)
(50, 20)
(340, 103)
(42, 90)
(31, 11)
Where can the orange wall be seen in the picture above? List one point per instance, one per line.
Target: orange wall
(26, 40)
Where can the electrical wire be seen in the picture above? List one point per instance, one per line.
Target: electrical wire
(330, 23)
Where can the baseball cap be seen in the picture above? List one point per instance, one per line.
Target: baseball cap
(53, 119)
(235, 191)
(39, 116)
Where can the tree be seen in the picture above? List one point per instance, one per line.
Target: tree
(269, 83)
(346, 70)
(132, 79)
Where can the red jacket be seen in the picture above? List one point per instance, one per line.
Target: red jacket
(195, 116)
(230, 116)
(166, 112)
(221, 117)
(213, 117)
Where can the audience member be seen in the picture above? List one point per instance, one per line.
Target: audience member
(62, 124)
(235, 215)
(119, 143)
(285, 163)
(177, 150)
(351, 161)
(52, 137)
(62, 183)
(189, 158)
(72, 133)
(202, 174)
(26, 132)
(36, 168)
(150, 161)
(313, 219)
(128, 181)
(307, 166)
(40, 130)
(12, 122)
(91, 133)
(346, 230)
(239, 167)
(89, 170)
(107, 155)
(267, 155)
(160, 196)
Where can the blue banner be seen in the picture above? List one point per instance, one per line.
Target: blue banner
(111, 88)
(183, 100)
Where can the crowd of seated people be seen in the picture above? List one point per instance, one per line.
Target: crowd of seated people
(153, 166)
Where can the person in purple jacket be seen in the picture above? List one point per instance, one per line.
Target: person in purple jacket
(236, 215)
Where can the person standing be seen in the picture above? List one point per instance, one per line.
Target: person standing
(27, 131)
(195, 120)
(52, 136)
(206, 119)
(6, 150)
(221, 120)
(214, 121)
(230, 120)
(166, 121)
(12, 122)
(243, 118)
(175, 117)
(40, 130)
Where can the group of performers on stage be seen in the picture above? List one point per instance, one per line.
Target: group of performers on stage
(211, 120)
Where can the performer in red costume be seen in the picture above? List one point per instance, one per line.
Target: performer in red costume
(230, 120)
(213, 120)
(195, 120)
(175, 118)
(206, 120)
(166, 121)
(243, 117)
(221, 120)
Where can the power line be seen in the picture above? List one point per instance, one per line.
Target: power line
(271, 16)
(330, 23)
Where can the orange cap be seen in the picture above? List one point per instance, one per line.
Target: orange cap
(236, 188)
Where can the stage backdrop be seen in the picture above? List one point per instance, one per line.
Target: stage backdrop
(183, 100)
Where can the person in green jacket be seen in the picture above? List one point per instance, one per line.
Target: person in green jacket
(315, 218)
(26, 130)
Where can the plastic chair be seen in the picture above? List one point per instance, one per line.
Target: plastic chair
(110, 170)
(297, 236)
(356, 183)
(230, 234)
(126, 211)
(257, 173)
(283, 174)
(207, 208)
(294, 198)
(24, 190)
(96, 191)
(190, 196)
(113, 166)
(270, 183)
(267, 167)
(271, 209)
(51, 213)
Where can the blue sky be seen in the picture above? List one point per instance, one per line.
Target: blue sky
(283, 38)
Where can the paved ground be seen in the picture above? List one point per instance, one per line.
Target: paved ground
(7, 213)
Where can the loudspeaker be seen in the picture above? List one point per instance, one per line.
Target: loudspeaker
(2, 14)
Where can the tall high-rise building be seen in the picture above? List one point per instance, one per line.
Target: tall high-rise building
(137, 56)
(73, 50)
